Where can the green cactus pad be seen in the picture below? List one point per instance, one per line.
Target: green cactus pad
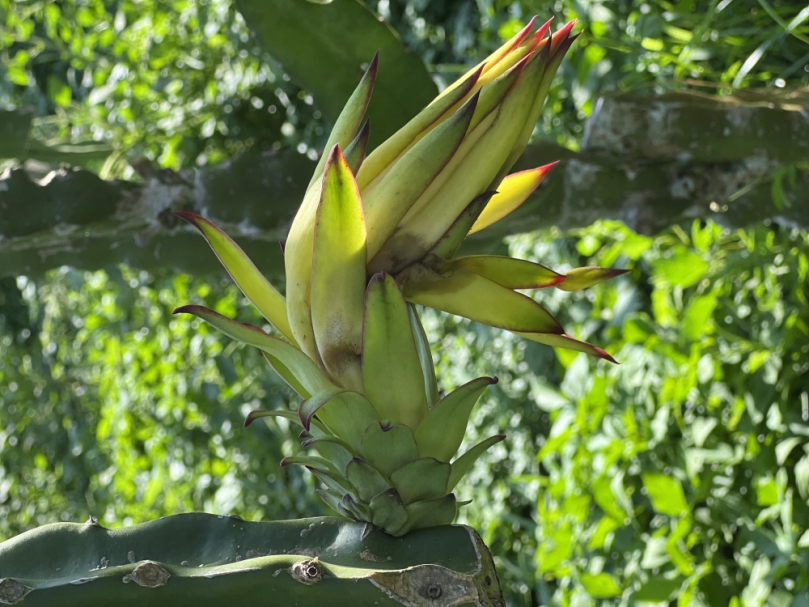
(203, 559)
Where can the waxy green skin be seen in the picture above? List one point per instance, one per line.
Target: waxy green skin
(203, 559)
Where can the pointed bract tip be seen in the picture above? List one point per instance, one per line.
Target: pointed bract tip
(334, 153)
(194, 219)
(538, 36)
(284, 462)
(468, 108)
(253, 416)
(186, 309)
(494, 380)
(605, 355)
(373, 67)
(546, 168)
(283, 245)
(563, 33)
(520, 36)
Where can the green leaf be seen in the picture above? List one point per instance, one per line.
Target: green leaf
(697, 318)
(299, 365)
(391, 369)
(657, 590)
(323, 45)
(463, 464)
(685, 268)
(423, 479)
(666, 494)
(338, 273)
(605, 526)
(600, 585)
(442, 431)
(388, 449)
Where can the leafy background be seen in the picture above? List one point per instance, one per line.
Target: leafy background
(679, 477)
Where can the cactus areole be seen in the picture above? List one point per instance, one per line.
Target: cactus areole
(200, 560)
(377, 234)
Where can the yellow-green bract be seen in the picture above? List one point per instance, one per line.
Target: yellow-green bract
(373, 237)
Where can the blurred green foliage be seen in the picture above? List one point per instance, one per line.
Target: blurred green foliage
(183, 81)
(679, 477)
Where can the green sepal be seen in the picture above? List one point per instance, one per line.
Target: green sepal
(284, 373)
(299, 365)
(430, 513)
(309, 407)
(259, 413)
(333, 449)
(449, 243)
(355, 152)
(463, 464)
(509, 272)
(466, 294)
(388, 511)
(318, 463)
(581, 278)
(422, 479)
(351, 117)
(245, 274)
(391, 369)
(351, 508)
(425, 356)
(388, 449)
(389, 200)
(335, 483)
(442, 431)
(332, 499)
(337, 295)
(346, 415)
(367, 479)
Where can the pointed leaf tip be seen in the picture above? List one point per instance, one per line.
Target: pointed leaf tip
(581, 278)
(605, 355)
